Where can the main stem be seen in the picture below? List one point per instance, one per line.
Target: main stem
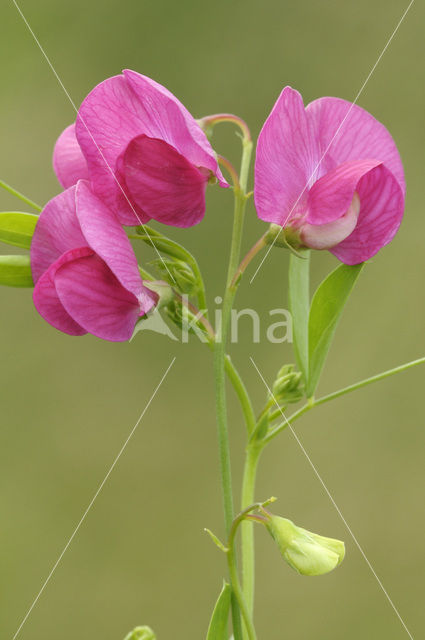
(220, 362)
(247, 528)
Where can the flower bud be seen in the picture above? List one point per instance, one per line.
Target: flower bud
(306, 552)
(288, 386)
(141, 633)
(185, 319)
(178, 274)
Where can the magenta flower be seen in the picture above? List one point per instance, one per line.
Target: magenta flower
(331, 175)
(86, 273)
(145, 155)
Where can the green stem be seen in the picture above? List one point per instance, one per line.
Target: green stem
(256, 248)
(19, 195)
(232, 373)
(237, 590)
(224, 162)
(248, 552)
(242, 393)
(286, 422)
(220, 375)
(209, 122)
(231, 558)
(336, 394)
(366, 381)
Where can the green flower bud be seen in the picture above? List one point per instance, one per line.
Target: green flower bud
(185, 319)
(141, 633)
(288, 386)
(178, 274)
(306, 552)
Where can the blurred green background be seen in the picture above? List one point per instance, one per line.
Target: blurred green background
(68, 404)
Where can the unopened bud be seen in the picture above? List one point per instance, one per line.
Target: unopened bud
(306, 552)
(178, 274)
(288, 386)
(184, 318)
(141, 633)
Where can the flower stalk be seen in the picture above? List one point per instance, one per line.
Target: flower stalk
(240, 195)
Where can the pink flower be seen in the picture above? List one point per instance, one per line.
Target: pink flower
(145, 155)
(331, 175)
(86, 273)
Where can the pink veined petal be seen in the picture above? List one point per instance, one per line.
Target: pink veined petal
(330, 197)
(174, 123)
(164, 183)
(69, 163)
(105, 235)
(46, 299)
(95, 299)
(111, 116)
(381, 212)
(126, 214)
(285, 161)
(57, 231)
(347, 132)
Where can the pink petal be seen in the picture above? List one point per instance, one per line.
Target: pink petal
(104, 234)
(330, 197)
(351, 133)
(381, 212)
(164, 183)
(173, 123)
(69, 163)
(57, 231)
(46, 299)
(118, 110)
(285, 162)
(107, 120)
(95, 299)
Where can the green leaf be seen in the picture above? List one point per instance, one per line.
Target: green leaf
(218, 629)
(15, 271)
(17, 228)
(326, 308)
(299, 306)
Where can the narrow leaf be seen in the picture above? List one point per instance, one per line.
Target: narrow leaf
(17, 228)
(218, 629)
(299, 305)
(326, 308)
(15, 271)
